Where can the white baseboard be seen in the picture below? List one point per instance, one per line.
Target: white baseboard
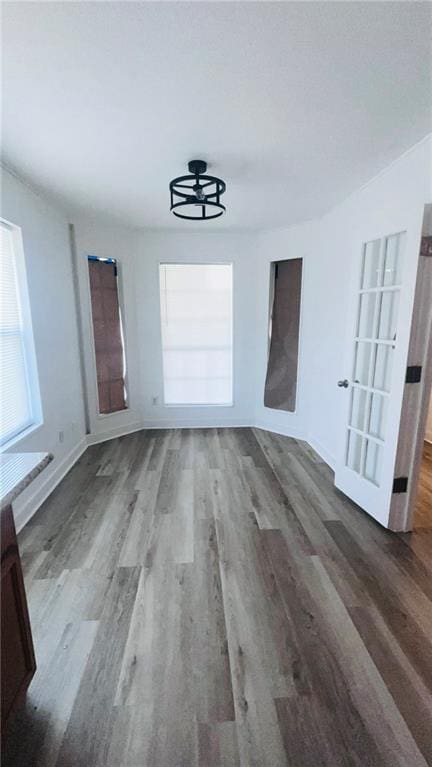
(327, 457)
(297, 434)
(279, 429)
(197, 423)
(118, 431)
(23, 511)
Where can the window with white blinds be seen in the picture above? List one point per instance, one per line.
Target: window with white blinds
(17, 410)
(196, 316)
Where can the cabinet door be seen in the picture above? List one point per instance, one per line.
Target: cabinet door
(17, 656)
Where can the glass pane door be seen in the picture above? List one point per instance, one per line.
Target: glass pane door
(374, 347)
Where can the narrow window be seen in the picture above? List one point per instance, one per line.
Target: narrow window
(281, 380)
(108, 335)
(196, 316)
(20, 399)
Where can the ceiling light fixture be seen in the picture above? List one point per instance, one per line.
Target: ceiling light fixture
(196, 197)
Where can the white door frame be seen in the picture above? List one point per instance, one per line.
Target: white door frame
(416, 395)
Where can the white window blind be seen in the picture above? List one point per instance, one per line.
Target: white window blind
(196, 315)
(15, 398)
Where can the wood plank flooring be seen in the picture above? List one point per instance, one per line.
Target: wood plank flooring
(206, 598)
(423, 511)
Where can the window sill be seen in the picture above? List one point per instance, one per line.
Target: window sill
(199, 405)
(102, 416)
(27, 432)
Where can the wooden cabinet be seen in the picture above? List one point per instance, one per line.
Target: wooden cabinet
(18, 663)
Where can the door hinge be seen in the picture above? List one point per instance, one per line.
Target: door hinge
(426, 246)
(413, 374)
(400, 484)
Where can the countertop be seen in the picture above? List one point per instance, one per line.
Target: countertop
(17, 470)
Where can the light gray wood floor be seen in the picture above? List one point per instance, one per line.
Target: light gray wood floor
(208, 598)
(423, 511)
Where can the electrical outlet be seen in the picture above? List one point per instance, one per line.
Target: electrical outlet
(61, 436)
(155, 400)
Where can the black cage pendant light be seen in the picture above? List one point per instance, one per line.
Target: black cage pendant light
(196, 197)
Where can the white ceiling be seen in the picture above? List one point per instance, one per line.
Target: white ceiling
(293, 104)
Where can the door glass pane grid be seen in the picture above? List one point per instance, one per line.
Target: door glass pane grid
(372, 389)
(370, 300)
(382, 263)
(373, 358)
(370, 437)
(364, 455)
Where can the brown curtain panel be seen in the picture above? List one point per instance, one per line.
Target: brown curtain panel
(281, 379)
(107, 336)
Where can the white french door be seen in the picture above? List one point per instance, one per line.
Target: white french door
(372, 392)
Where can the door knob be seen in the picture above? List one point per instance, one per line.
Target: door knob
(343, 384)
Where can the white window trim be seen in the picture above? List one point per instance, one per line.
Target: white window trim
(30, 361)
(200, 405)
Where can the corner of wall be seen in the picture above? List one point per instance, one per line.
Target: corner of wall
(322, 451)
(95, 438)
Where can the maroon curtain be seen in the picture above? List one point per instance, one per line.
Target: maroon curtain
(107, 336)
(281, 380)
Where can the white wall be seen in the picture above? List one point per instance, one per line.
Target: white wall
(331, 249)
(49, 276)
(139, 255)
